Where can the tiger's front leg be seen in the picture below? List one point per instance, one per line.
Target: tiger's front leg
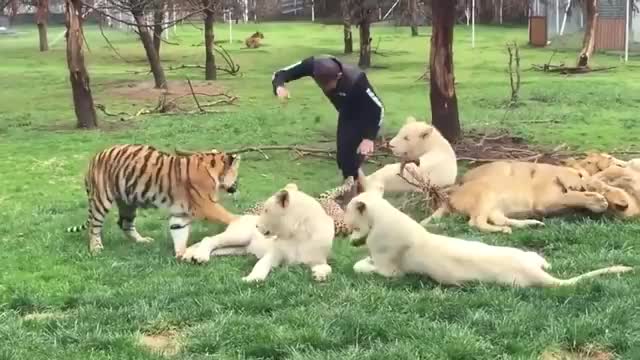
(179, 226)
(215, 212)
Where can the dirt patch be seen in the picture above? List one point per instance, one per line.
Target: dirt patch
(586, 353)
(144, 91)
(478, 147)
(165, 343)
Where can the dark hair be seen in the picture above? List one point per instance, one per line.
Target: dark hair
(325, 71)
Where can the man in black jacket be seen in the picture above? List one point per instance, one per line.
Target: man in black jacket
(360, 111)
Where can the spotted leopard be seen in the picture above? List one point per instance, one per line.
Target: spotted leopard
(329, 202)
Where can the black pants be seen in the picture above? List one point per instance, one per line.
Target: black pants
(348, 139)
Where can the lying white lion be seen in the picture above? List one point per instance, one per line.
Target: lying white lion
(241, 237)
(302, 234)
(398, 245)
(420, 142)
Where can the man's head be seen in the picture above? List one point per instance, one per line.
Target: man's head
(327, 74)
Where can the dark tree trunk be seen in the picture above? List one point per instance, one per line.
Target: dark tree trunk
(210, 60)
(589, 39)
(41, 19)
(346, 20)
(444, 104)
(13, 11)
(158, 19)
(413, 14)
(78, 76)
(152, 55)
(365, 44)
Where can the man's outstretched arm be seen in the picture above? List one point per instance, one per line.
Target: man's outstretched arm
(292, 72)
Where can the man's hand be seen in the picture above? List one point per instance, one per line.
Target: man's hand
(366, 147)
(282, 92)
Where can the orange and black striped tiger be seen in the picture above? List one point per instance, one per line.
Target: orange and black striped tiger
(139, 176)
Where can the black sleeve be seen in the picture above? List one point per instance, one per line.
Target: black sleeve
(292, 72)
(370, 107)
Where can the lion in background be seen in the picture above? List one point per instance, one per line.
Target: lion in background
(254, 41)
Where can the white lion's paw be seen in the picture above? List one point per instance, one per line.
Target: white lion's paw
(252, 279)
(196, 254)
(321, 272)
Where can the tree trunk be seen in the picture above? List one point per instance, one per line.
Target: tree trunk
(78, 76)
(158, 19)
(210, 60)
(444, 103)
(152, 55)
(365, 44)
(346, 20)
(589, 40)
(41, 19)
(413, 13)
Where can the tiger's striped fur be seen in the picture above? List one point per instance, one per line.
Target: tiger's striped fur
(139, 176)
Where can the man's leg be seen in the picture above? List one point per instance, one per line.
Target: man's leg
(348, 159)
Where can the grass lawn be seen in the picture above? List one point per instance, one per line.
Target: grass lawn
(57, 302)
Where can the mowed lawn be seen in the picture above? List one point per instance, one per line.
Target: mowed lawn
(57, 302)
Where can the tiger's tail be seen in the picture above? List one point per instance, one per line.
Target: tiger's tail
(77, 229)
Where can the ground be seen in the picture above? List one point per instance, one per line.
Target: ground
(135, 301)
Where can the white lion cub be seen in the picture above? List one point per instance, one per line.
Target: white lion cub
(420, 142)
(303, 234)
(399, 245)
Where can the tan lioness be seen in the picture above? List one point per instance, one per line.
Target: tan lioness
(502, 191)
(617, 180)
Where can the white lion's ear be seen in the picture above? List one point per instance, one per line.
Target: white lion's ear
(410, 119)
(361, 207)
(283, 198)
(426, 132)
(291, 187)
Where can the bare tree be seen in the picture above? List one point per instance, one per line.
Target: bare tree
(42, 14)
(588, 41)
(158, 19)
(413, 16)
(210, 60)
(362, 12)
(345, 7)
(78, 75)
(444, 103)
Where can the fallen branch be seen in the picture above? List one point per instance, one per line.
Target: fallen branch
(568, 70)
(195, 98)
(302, 151)
(434, 196)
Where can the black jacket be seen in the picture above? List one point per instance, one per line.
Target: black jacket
(354, 98)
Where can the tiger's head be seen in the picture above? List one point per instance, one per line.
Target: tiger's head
(221, 167)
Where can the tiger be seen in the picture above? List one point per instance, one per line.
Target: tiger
(138, 176)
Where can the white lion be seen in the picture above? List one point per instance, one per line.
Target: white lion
(303, 234)
(422, 143)
(398, 245)
(241, 237)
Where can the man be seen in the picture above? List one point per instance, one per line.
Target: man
(360, 111)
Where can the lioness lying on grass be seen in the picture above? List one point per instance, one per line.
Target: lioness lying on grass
(398, 245)
(502, 194)
(617, 180)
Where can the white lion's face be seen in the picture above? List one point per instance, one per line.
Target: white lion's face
(409, 143)
(274, 211)
(357, 222)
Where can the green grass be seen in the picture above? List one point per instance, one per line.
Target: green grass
(100, 304)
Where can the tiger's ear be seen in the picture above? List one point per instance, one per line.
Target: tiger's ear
(283, 198)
